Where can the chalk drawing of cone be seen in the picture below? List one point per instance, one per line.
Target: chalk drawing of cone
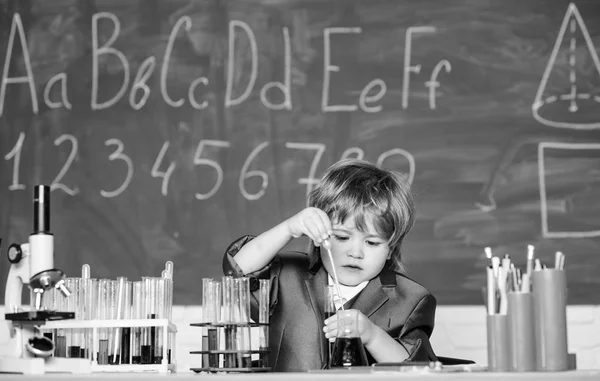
(569, 92)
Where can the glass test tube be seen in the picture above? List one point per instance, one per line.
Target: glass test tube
(75, 305)
(244, 318)
(205, 319)
(87, 302)
(228, 319)
(329, 310)
(167, 274)
(103, 313)
(118, 314)
(60, 343)
(125, 350)
(149, 333)
(112, 314)
(211, 317)
(263, 320)
(220, 342)
(160, 314)
(236, 319)
(137, 313)
(88, 299)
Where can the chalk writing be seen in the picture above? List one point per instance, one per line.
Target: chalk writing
(543, 191)
(571, 23)
(16, 154)
(56, 183)
(140, 90)
(166, 175)
(119, 155)
(245, 175)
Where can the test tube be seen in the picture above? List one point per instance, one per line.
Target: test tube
(103, 313)
(137, 312)
(118, 314)
(211, 306)
(263, 320)
(126, 331)
(167, 274)
(160, 286)
(61, 339)
(329, 310)
(112, 314)
(92, 306)
(205, 319)
(86, 300)
(75, 305)
(244, 320)
(149, 335)
(228, 319)
(218, 287)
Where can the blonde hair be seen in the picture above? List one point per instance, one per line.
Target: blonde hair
(358, 188)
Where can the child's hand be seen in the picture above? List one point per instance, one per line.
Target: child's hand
(366, 328)
(312, 222)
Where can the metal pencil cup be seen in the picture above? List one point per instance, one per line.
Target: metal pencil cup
(520, 326)
(498, 346)
(550, 319)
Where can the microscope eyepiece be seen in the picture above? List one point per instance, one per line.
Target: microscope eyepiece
(41, 209)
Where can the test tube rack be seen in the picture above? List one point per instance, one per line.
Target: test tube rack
(236, 353)
(169, 330)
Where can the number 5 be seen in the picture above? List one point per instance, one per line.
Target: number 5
(211, 163)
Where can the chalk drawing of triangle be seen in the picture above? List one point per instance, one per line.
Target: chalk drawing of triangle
(572, 105)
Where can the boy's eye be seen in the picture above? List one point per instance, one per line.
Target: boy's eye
(374, 243)
(341, 238)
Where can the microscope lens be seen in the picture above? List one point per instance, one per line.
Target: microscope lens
(41, 209)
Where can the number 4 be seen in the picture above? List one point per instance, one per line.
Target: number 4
(166, 175)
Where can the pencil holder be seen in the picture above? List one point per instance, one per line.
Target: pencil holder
(520, 326)
(550, 319)
(498, 348)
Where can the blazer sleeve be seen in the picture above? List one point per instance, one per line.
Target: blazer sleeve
(270, 271)
(414, 336)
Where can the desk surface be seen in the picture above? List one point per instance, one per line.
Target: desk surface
(321, 376)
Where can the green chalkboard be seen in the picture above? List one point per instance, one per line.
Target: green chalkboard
(167, 129)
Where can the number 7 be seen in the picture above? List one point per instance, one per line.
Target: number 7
(310, 181)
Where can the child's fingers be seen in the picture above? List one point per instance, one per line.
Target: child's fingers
(311, 230)
(330, 331)
(326, 224)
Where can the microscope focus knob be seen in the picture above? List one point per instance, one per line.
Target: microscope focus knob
(14, 253)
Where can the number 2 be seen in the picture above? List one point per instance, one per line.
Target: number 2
(56, 182)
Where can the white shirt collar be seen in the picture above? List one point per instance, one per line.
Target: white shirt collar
(347, 292)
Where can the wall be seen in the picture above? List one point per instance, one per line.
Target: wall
(459, 332)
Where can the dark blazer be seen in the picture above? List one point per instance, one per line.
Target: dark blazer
(397, 304)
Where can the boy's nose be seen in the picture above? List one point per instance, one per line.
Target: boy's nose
(356, 252)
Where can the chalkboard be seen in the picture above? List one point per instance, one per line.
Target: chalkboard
(167, 129)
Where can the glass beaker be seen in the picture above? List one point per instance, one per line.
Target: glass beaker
(348, 349)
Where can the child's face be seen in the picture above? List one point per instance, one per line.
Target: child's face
(358, 256)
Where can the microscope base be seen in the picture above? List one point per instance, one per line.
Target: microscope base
(40, 365)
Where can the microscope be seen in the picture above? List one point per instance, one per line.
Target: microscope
(32, 264)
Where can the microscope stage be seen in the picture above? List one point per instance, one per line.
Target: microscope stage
(34, 316)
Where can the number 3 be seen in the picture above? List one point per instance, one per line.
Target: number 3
(118, 154)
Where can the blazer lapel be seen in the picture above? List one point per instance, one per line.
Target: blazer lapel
(370, 298)
(315, 285)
